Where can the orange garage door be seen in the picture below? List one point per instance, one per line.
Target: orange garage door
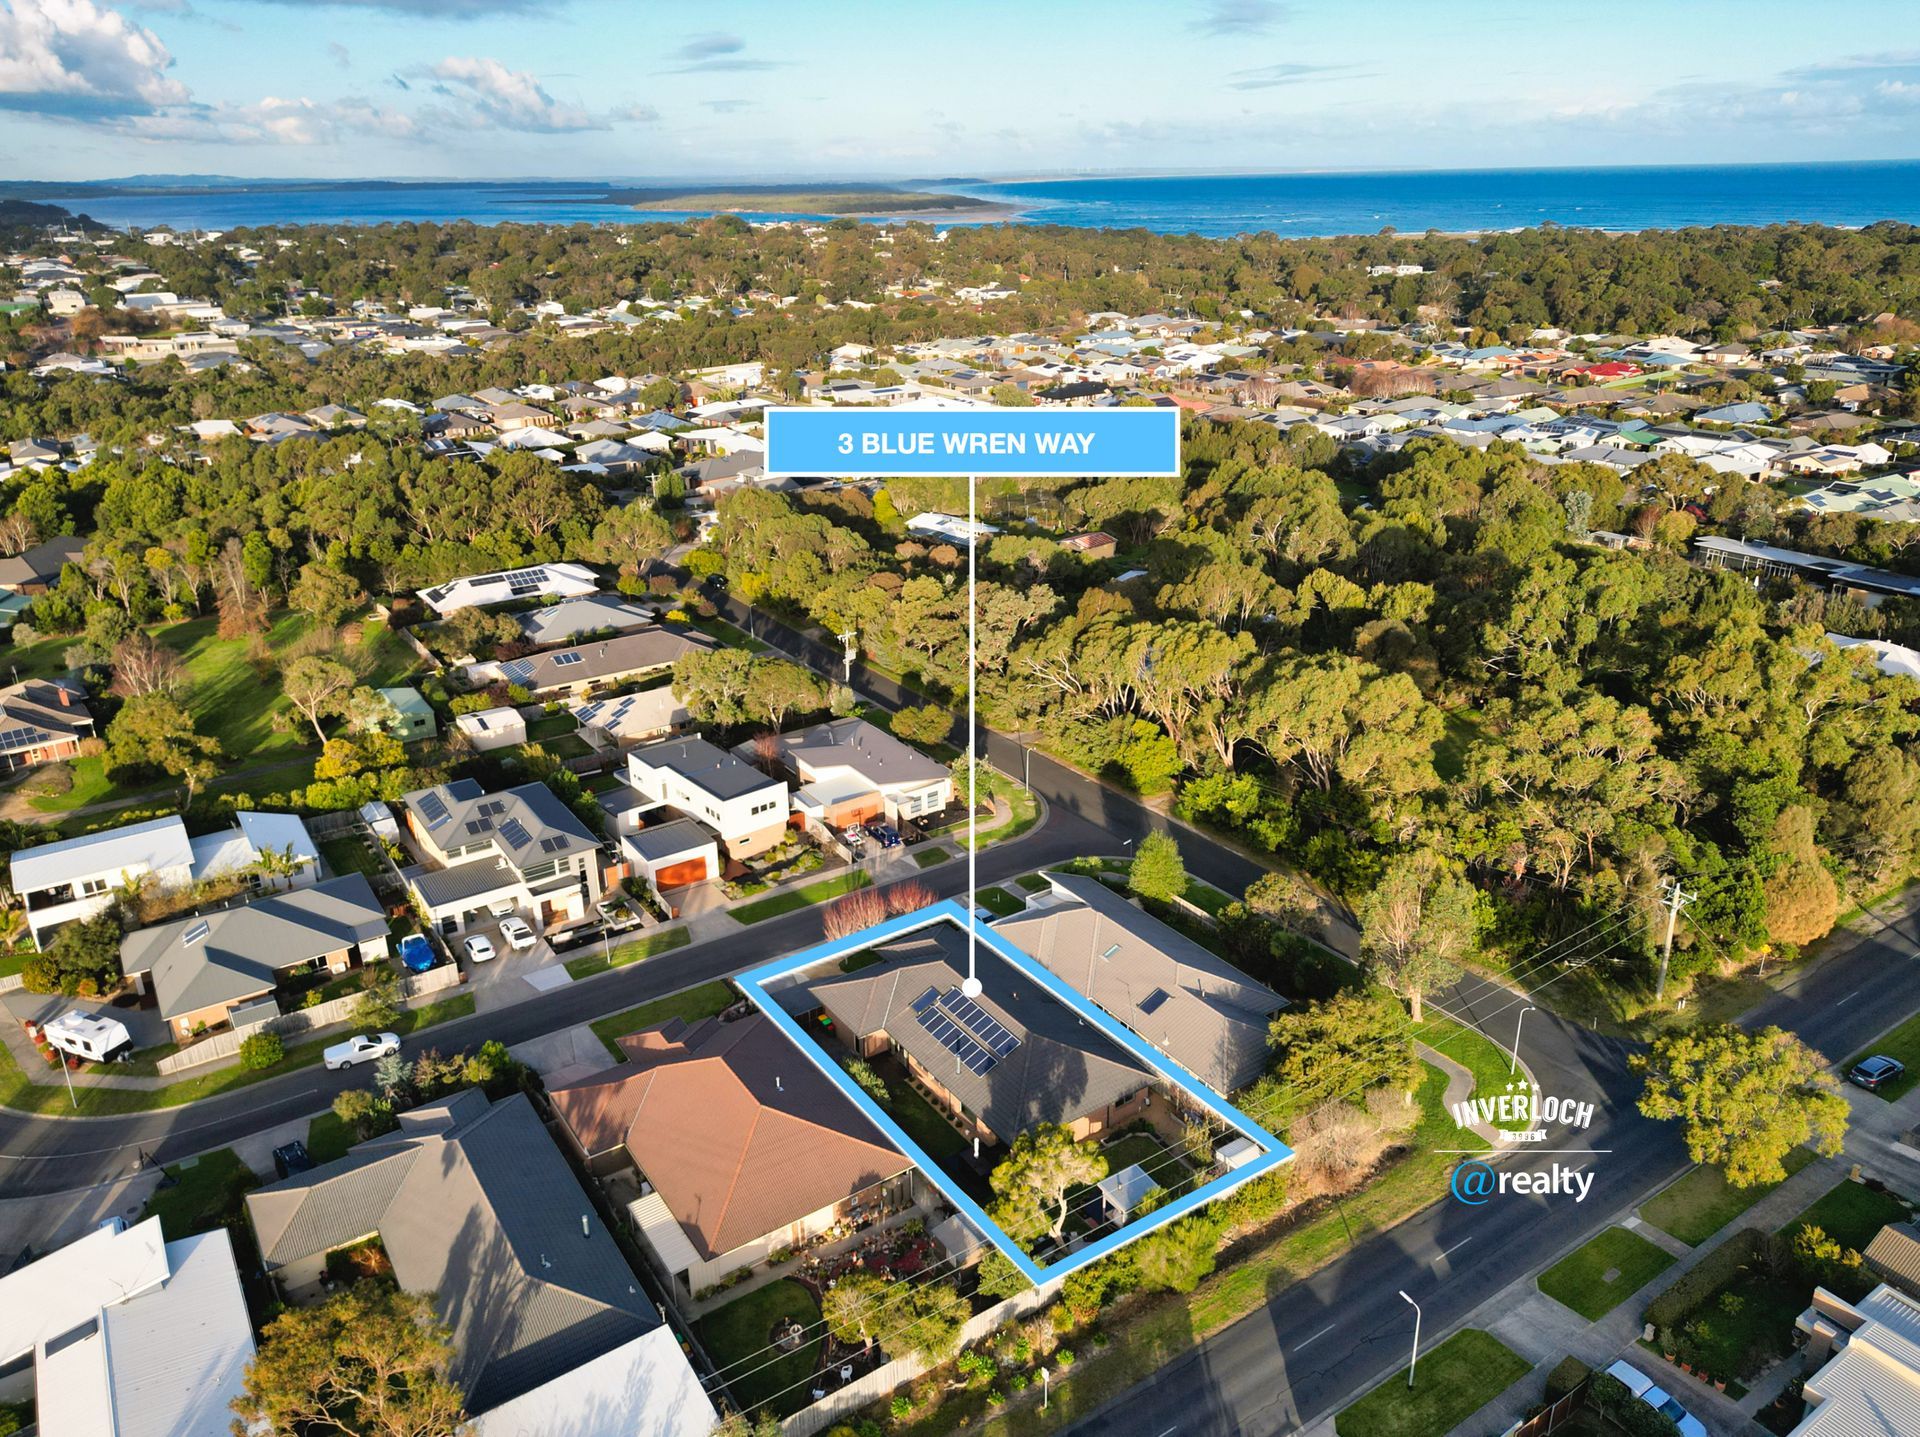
(679, 875)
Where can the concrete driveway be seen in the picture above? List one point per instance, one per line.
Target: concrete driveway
(512, 975)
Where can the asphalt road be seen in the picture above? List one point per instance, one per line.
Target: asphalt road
(1320, 1343)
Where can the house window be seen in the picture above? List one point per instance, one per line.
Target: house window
(92, 887)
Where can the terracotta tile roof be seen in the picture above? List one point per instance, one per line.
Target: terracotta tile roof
(738, 1133)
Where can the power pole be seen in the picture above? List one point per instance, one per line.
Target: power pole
(1677, 898)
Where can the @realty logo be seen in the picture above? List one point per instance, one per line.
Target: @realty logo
(1475, 1182)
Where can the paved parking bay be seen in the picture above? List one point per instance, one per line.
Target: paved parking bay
(501, 981)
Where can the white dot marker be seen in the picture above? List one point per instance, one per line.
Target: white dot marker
(970, 987)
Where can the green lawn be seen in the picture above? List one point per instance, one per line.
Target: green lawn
(922, 1121)
(651, 946)
(802, 897)
(1851, 1213)
(1026, 813)
(90, 785)
(1581, 1279)
(1701, 1203)
(13, 960)
(736, 1336)
(1450, 1384)
(927, 857)
(692, 1004)
(207, 1192)
(349, 854)
(1903, 1043)
(1206, 897)
(551, 726)
(1150, 1153)
(1033, 882)
(1479, 1054)
(328, 1138)
(18, 1093)
(998, 901)
(727, 634)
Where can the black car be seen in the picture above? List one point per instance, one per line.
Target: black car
(1876, 1072)
(291, 1159)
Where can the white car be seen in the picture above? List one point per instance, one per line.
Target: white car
(366, 1048)
(479, 949)
(516, 932)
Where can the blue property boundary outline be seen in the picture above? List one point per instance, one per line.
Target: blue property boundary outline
(1273, 1151)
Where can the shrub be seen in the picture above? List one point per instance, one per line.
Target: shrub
(908, 897)
(860, 909)
(261, 1050)
(1674, 1306)
(1567, 1374)
(1610, 1397)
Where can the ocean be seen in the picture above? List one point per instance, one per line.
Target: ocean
(1287, 205)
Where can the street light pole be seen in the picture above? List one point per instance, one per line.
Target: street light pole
(1412, 1361)
(1516, 1036)
(1046, 1388)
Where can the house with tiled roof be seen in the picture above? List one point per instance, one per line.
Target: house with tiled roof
(199, 970)
(1194, 1006)
(746, 1146)
(999, 1064)
(520, 850)
(473, 1205)
(41, 721)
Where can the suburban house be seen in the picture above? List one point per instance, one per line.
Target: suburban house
(38, 569)
(671, 855)
(472, 1203)
(76, 878)
(598, 663)
(522, 847)
(746, 808)
(198, 970)
(42, 721)
(745, 1146)
(1192, 1005)
(540, 581)
(634, 718)
(493, 728)
(570, 619)
(1095, 544)
(1865, 1362)
(998, 1064)
(124, 1333)
(412, 716)
(849, 772)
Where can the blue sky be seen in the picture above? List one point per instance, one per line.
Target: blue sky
(852, 88)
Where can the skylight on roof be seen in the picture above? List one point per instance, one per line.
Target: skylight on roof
(1112, 949)
(197, 933)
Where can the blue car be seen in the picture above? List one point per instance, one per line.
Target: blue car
(416, 953)
(884, 834)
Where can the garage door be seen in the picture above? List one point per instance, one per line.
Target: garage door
(679, 875)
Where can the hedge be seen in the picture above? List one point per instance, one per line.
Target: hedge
(1706, 1277)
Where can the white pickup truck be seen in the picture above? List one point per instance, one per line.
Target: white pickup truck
(366, 1048)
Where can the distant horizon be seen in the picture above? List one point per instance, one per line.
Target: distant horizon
(895, 180)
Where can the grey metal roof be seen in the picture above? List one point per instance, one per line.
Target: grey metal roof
(178, 1356)
(440, 886)
(1894, 1256)
(140, 847)
(235, 953)
(1193, 1005)
(704, 765)
(666, 839)
(1061, 1069)
(634, 653)
(871, 752)
(529, 824)
(484, 1214)
(557, 623)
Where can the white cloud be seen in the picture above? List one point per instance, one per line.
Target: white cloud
(76, 59)
(1241, 17)
(272, 121)
(508, 99)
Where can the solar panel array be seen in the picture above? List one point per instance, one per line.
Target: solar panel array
(435, 808)
(569, 658)
(978, 1021)
(964, 1028)
(27, 737)
(515, 833)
